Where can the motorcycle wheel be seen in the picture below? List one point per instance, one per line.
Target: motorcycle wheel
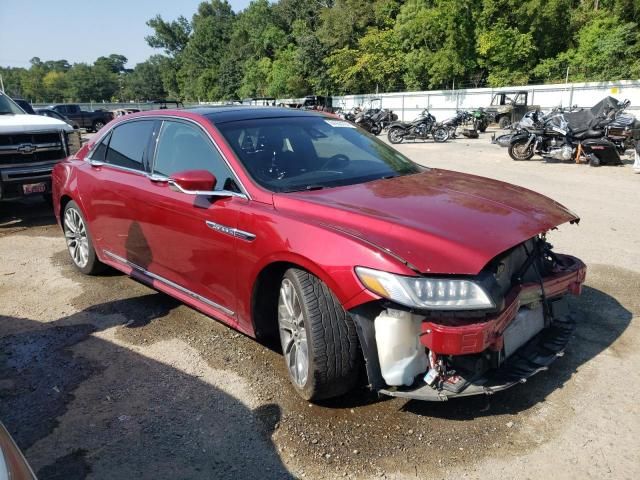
(375, 130)
(395, 135)
(440, 135)
(519, 151)
(482, 127)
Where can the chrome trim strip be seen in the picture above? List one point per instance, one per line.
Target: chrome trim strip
(162, 118)
(233, 232)
(169, 283)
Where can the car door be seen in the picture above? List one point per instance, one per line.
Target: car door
(191, 237)
(112, 187)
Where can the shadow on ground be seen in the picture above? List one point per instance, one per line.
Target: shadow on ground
(25, 213)
(157, 421)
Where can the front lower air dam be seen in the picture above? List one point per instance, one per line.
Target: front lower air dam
(402, 357)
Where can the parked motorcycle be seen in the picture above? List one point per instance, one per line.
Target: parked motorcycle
(452, 123)
(480, 119)
(554, 138)
(421, 128)
(375, 120)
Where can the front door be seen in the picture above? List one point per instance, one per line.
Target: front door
(190, 237)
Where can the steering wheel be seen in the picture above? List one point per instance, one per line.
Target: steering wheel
(337, 161)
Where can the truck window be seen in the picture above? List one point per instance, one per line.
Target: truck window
(73, 109)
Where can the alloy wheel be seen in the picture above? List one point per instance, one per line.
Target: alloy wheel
(293, 334)
(75, 232)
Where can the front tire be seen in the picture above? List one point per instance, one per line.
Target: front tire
(318, 338)
(504, 122)
(79, 243)
(519, 151)
(440, 135)
(97, 125)
(395, 135)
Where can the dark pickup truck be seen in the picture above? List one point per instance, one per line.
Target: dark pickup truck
(90, 121)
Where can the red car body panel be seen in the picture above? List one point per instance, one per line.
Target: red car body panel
(437, 221)
(440, 222)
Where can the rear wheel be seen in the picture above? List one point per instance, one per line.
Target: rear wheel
(97, 125)
(519, 150)
(395, 135)
(504, 122)
(79, 241)
(318, 338)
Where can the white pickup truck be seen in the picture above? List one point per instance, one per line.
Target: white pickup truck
(30, 145)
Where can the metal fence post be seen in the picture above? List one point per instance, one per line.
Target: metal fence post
(403, 107)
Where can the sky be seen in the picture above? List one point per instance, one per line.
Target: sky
(81, 31)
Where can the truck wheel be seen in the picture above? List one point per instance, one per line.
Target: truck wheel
(504, 122)
(79, 241)
(97, 125)
(318, 338)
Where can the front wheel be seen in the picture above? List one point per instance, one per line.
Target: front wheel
(396, 135)
(97, 125)
(504, 122)
(440, 134)
(519, 150)
(318, 338)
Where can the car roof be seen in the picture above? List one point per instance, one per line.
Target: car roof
(233, 113)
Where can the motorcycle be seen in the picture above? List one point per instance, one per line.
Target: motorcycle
(554, 139)
(460, 118)
(421, 128)
(375, 120)
(480, 120)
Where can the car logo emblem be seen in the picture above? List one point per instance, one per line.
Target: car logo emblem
(27, 148)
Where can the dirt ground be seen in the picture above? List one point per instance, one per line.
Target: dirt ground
(103, 378)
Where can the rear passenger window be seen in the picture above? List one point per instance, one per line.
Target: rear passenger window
(128, 143)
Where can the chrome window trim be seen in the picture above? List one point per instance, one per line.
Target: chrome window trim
(169, 283)
(162, 118)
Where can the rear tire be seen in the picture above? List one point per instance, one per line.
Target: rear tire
(79, 242)
(395, 135)
(518, 152)
(318, 338)
(97, 125)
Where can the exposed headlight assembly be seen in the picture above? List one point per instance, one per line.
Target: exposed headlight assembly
(425, 292)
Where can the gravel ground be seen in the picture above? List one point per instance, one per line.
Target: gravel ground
(101, 377)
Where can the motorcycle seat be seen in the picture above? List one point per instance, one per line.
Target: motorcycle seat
(590, 133)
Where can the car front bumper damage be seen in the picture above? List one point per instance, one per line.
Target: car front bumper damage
(448, 340)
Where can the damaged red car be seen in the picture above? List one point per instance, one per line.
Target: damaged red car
(296, 225)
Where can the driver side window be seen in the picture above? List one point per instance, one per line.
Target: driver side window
(183, 147)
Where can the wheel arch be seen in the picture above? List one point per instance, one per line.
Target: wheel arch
(266, 285)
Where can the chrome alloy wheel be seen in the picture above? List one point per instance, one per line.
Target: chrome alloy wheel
(76, 235)
(292, 333)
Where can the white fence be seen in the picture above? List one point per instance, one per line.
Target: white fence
(444, 103)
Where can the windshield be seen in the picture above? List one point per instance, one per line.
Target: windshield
(306, 153)
(8, 106)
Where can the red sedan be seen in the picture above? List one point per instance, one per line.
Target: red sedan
(295, 224)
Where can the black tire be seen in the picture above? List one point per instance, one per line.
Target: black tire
(97, 125)
(483, 127)
(594, 161)
(440, 134)
(334, 357)
(504, 122)
(518, 152)
(395, 135)
(375, 130)
(93, 266)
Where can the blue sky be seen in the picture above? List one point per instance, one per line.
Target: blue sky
(81, 31)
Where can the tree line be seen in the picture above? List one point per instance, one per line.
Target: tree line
(291, 48)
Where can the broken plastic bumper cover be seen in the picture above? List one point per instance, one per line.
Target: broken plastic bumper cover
(533, 357)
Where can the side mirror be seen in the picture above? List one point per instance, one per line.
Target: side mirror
(194, 181)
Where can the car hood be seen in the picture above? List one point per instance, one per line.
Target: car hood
(30, 124)
(438, 221)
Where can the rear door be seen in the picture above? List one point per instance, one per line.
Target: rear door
(191, 238)
(113, 192)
